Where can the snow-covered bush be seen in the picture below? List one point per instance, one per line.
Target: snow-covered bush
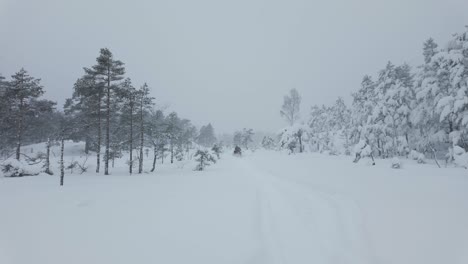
(204, 158)
(396, 164)
(268, 143)
(294, 138)
(16, 168)
(361, 150)
(418, 156)
(460, 157)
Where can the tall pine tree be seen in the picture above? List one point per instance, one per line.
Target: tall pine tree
(108, 71)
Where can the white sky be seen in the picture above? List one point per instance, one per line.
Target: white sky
(225, 62)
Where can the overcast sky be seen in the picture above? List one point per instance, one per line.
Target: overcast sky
(225, 62)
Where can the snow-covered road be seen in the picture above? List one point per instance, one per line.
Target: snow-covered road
(263, 208)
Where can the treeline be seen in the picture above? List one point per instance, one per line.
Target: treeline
(401, 109)
(107, 112)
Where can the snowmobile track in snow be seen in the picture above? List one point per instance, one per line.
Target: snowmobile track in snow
(301, 225)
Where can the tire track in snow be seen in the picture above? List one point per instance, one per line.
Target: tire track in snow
(299, 225)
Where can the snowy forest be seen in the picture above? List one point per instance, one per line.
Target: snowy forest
(106, 112)
(403, 111)
(112, 174)
(418, 112)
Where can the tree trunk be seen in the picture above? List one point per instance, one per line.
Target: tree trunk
(140, 163)
(131, 138)
(300, 144)
(435, 157)
(154, 159)
(47, 163)
(172, 152)
(378, 148)
(62, 166)
(19, 133)
(106, 160)
(98, 150)
(86, 148)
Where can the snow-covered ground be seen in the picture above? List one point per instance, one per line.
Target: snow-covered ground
(266, 207)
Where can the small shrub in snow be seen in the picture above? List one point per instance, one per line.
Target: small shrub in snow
(396, 164)
(292, 146)
(421, 158)
(217, 150)
(413, 154)
(16, 168)
(237, 151)
(204, 159)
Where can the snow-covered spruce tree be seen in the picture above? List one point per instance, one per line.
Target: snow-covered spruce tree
(428, 131)
(291, 107)
(204, 158)
(364, 102)
(107, 72)
(452, 107)
(390, 121)
(381, 121)
(441, 91)
(21, 96)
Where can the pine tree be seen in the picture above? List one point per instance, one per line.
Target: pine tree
(128, 93)
(204, 159)
(157, 135)
(23, 92)
(207, 136)
(173, 131)
(144, 103)
(107, 72)
(86, 108)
